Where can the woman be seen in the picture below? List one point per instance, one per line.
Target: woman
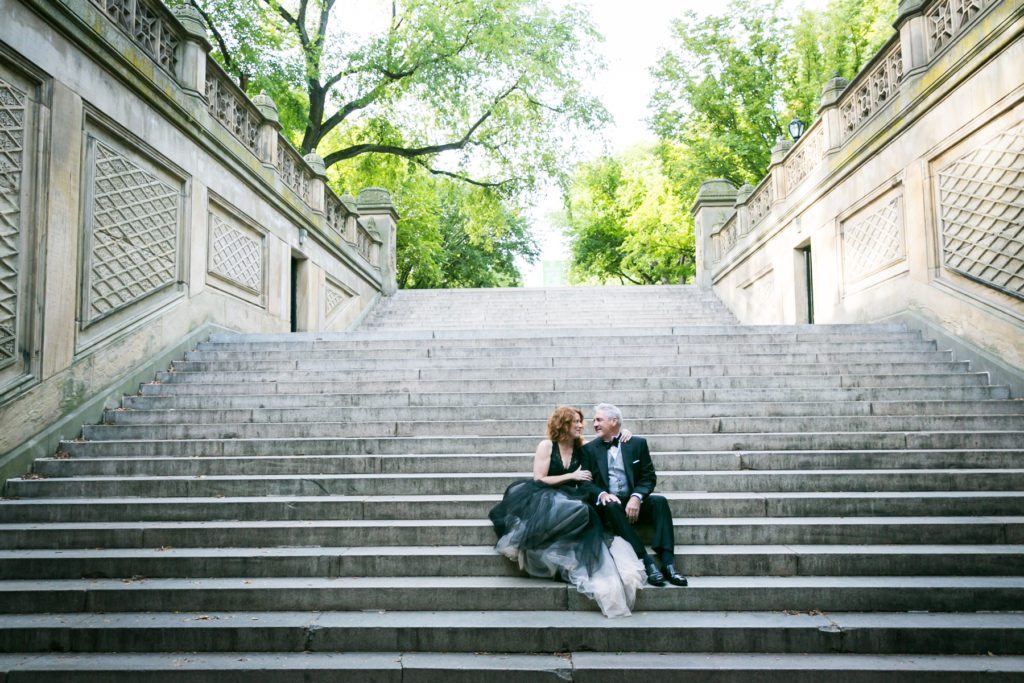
(548, 527)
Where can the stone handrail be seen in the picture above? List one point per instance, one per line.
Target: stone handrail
(875, 85)
(293, 170)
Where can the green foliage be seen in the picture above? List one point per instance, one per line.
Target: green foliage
(729, 83)
(626, 222)
(451, 234)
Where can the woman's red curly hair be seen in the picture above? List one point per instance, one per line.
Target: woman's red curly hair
(561, 421)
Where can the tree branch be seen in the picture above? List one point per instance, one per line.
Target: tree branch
(466, 179)
(410, 152)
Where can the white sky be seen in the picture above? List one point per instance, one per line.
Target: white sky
(635, 31)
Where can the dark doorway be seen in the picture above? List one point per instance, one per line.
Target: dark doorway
(294, 309)
(808, 282)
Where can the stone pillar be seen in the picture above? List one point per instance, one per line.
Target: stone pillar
(374, 204)
(776, 172)
(913, 29)
(742, 214)
(194, 51)
(318, 185)
(828, 112)
(269, 129)
(715, 204)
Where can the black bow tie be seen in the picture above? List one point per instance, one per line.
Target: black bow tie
(613, 443)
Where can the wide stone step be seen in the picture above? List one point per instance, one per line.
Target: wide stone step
(399, 667)
(521, 411)
(526, 444)
(474, 483)
(691, 531)
(520, 463)
(888, 399)
(516, 631)
(354, 341)
(549, 368)
(521, 427)
(888, 559)
(666, 350)
(708, 593)
(557, 331)
(684, 504)
(170, 386)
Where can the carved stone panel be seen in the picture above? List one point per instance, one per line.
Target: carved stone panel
(873, 239)
(237, 256)
(981, 213)
(13, 105)
(133, 232)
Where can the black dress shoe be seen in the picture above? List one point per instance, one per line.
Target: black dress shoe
(674, 577)
(654, 577)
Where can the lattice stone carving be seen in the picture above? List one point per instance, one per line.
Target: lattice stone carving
(232, 108)
(981, 204)
(236, 255)
(871, 92)
(873, 241)
(292, 168)
(809, 151)
(146, 25)
(760, 203)
(12, 149)
(134, 238)
(948, 18)
(335, 297)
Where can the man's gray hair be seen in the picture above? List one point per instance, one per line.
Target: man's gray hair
(609, 411)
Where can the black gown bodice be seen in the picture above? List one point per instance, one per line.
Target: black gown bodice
(556, 468)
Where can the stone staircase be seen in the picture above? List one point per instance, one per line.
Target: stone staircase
(848, 500)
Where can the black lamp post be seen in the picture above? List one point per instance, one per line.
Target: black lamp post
(796, 128)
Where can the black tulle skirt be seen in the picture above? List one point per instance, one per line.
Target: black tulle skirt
(553, 532)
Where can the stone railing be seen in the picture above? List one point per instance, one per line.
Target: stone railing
(905, 193)
(876, 85)
(151, 25)
(293, 170)
(232, 108)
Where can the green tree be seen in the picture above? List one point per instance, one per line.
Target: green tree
(493, 86)
(451, 234)
(625, 222)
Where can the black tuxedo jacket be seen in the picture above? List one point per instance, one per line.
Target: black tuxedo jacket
(636, 458)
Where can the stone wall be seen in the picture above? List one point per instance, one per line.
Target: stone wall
(907, 190)
(144, 200)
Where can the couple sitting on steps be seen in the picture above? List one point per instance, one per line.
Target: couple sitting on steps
(554, 524)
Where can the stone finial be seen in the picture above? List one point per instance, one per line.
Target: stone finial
(781, 148)
(371, 228)
(316, 164)
(833, 90)
(908, 8)
(267, 107)
(374, 198)
(192, 21)
(744, 192)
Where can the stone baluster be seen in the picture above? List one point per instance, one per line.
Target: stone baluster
(375, 205)
(715, 204)
(194, 52)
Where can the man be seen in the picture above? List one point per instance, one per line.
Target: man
(623, 481)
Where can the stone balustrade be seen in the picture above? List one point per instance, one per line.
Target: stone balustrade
(906, 194)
